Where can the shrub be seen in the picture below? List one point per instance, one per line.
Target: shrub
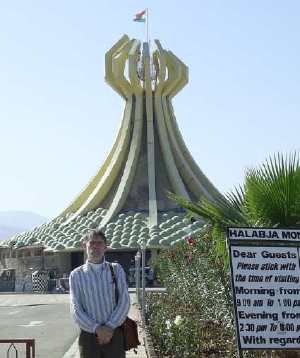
(194, 317)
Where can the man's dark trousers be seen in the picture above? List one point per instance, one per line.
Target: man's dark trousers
(89, 347)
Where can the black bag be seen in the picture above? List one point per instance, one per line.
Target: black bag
(129, 326)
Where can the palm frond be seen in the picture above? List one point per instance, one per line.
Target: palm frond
(224, 211)
(272, 192)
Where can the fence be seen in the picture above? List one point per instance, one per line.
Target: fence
(12, 351)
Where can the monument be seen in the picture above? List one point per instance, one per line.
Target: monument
(127, 198)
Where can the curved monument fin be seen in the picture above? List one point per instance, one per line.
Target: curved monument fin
(118, 68)
(109, 75)
(192, 174)
(160, 67)
(114, 82)
(172, 171)
(211, 192)
(131, 162)
(150, 137)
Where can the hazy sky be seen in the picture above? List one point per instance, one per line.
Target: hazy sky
(59, 118)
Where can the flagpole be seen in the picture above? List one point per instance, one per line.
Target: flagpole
(147, 28)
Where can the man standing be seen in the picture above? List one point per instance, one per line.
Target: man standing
(93, 305)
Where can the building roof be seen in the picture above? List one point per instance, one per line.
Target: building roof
(128, 230)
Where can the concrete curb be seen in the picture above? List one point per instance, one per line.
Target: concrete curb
(150, 351)
(72, 351)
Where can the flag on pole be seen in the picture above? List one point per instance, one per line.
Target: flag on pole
(140, 17)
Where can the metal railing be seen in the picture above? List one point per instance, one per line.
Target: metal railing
(12, 349)
(140, 279)
(137, 276)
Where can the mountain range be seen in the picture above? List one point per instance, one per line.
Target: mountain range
(13, 222)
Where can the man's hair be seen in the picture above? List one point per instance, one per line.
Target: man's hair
(92, 234)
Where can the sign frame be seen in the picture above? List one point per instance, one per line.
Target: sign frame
(256, 237)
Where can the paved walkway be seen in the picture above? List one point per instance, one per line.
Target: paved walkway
(26, 299)
(44, 318)
(17, 300)
(134, 313)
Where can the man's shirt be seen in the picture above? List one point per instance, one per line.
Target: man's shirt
(92, 295)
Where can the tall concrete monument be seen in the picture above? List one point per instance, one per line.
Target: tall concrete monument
(127, 197)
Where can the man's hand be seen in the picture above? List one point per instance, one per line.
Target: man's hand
(104, 334)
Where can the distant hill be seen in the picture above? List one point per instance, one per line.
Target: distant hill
(13, 222)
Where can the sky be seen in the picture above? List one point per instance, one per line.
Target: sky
(58, 117)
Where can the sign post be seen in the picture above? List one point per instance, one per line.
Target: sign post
(265, 278)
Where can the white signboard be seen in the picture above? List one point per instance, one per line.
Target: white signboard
(263, 234)
(266, 285)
